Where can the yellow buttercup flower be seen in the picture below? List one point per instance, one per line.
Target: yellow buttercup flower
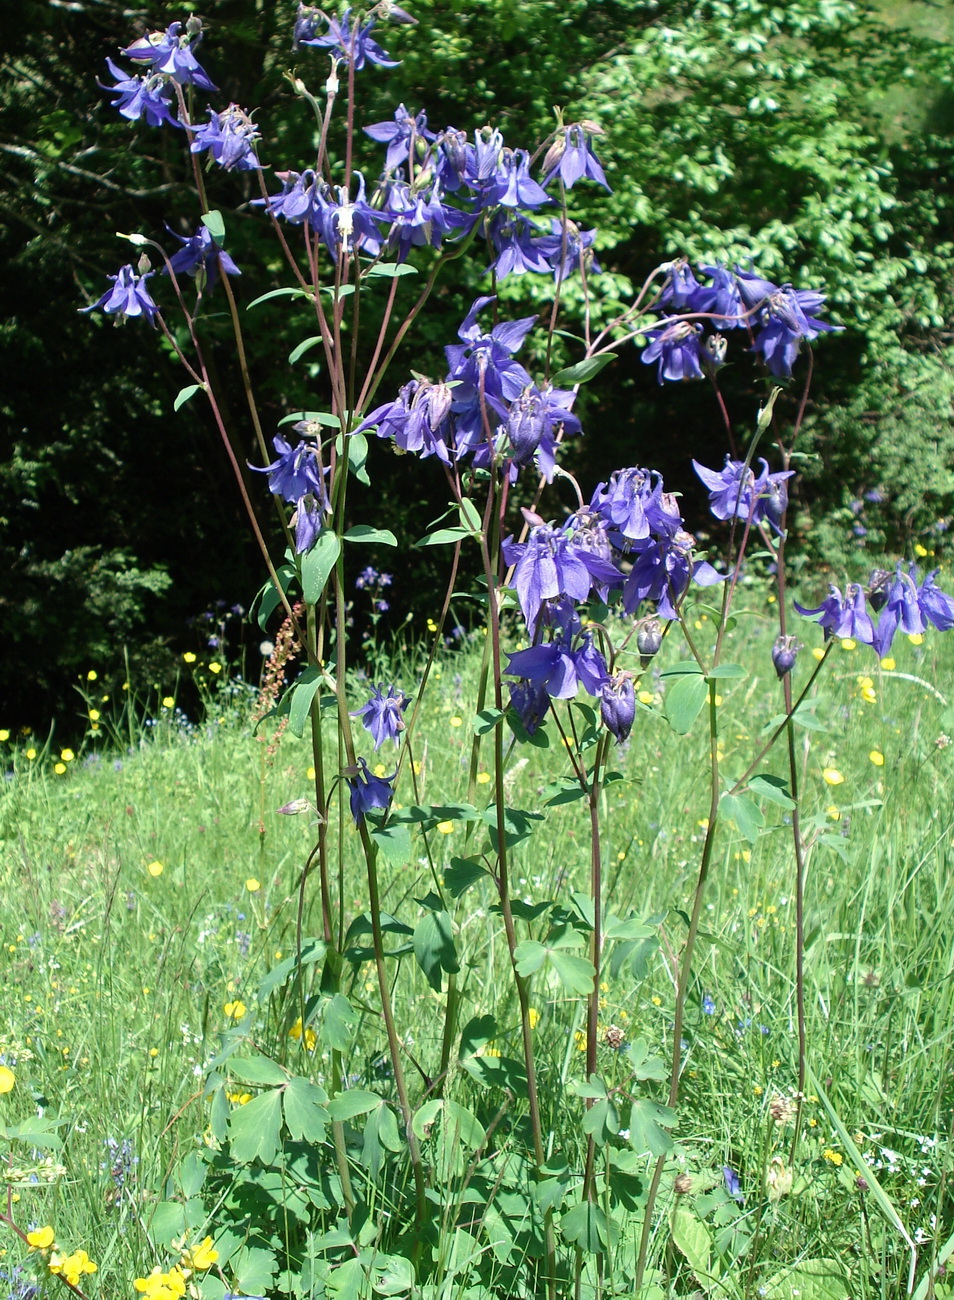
(832, 776)
(445, 828)
(188, 657)
(40, 1238)
(849, 643)
(7, 1079)
(645, 697)
(235, 1010)
(533, 1015)
(155, 868)
(916, 638)
(483, 778)
(833, 1157)
(59, 768)
(877, 757)
(888, 664)
(67, 755)
(200, 1257)
(253, 885)
(311, 1038)
(71, 1267)
(215, 667)
(456, 721)
(4, 734)
(167, 701)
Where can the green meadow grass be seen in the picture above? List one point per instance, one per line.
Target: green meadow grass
(114, 981)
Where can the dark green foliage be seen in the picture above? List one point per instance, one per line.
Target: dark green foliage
(765, 131)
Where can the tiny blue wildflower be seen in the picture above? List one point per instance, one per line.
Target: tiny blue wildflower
(129, 297)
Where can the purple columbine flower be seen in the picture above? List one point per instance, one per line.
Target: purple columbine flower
(843, 616)
(483, 369)
(590, 666)
(399, 134)
(349, 42)
(677, 349)
(784, 652)
(450, 159)
(151, 97)
(900, 608)
(551, 667)
(368, 791)
(418, 420)
(630, 503)
(681, 291)
(618, 705)
(549, 564)
(383, 714)
(298, 201)
(662, 571)
(308, 521)
(345, 224)
(512, 185)
(785, 317)
(571, 157)
(171, 52)
(735, 492)
(128, 297)
(418, 220)
(727, 300)
(295, 473)
(568, 250)
(530, 703)
(535, 421)
(200, 252)
(231, 137)
(512, 236)
(732, 1184)
(936, 606)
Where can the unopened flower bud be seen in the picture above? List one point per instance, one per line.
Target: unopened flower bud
(144, 264)
(714, 348)
(614, 1037)
(393, 13)
(682, 1185)
(194, 25)
(554, 153)
(877, 591)
(296, 806)
(784, 654)
(861, 1184)
(618, 705)
(648, 640)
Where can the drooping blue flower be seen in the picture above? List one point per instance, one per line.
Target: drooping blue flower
(530, 703)
(571, 157)
(450, 158)
(171, 52)
(512, 237)
(727, 300)
(662, 571)
(295, 473)
(368, 791)
(682, 292)
(399, 134)
(900, 608)
(632, 505)
(568, 249)
(735, 492)
(298, 200)
(512, 185)
(590, 665)
(732, 1184)
(230, 136)
(551, 667)
(936, 606)
(418, 420)
(784, 316)
(484, 371)
(349, 42)
(536, 419)
(618, 705)
(128, 297)
(308, 521)
(549, 565)
(784, 653)
(677, 349)
(151, 97)
(383, 715)
(843, 616)
(201, 252)
(417, 219)
(345, 224)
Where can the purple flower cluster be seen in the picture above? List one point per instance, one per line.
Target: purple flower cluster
(778, 318)
(630, 522)
(298, 477)
(487, 408)
(899, 602)
(736, 493)
(409, 207)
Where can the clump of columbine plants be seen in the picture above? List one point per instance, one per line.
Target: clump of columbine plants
(402, 1168)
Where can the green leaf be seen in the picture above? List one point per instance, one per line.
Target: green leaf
(337, 1022)
(576, 974)
(470, 516)
(303, 1104)
(643, 1065)
(528, 957)
(691, 1237)
(812, 1279)
(443, 537)
(316, 565)
(727, 672)
(684, 700)
(367, 533)
(585, 1227)
(303, 693)
(394, 841)
(347, 1282)
(583, 371)
(289, 291)
(255, 1269)
(257, 1069)
(312, 950)
(184, 394)
(772, 788)
(390, 270)
(648, 1121)
(347, 1105)
(457, 1123)
(255, 1128)
(518, 824)
(486, 720)
(435, 949)
(214, 223)
(568, 790)
(358, 457)
(477, 1033)
(601, 1121)
(462, 874)
(313, 417)
(746, 814)
(380, 1134)
(267, 600)
(301, 348)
